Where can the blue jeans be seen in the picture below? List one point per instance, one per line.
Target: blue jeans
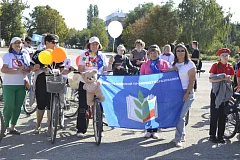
(180, 128)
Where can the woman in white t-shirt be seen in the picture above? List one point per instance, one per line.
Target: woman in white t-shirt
(15, 69)
(89, 60)
(187, 73)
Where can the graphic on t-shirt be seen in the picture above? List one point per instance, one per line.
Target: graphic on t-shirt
(16, 63)
(90, 61)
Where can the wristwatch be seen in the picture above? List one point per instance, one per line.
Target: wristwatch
(189, 92)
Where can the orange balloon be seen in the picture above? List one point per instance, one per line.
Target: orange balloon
(77, 60)
(59, 54)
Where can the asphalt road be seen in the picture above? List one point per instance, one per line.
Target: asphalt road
(122, 143)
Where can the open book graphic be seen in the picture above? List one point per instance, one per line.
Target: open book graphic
(142, 109)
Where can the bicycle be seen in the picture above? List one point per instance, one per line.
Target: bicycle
(70, 109)
(232, 126)
(2, 126)
(55, 85)
(97, 116)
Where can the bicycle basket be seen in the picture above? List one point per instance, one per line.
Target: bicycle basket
(55, 84)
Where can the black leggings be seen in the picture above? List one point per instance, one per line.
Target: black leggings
(81, 116)
(42, 96)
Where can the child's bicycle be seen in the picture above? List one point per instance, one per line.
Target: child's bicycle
(232, 110)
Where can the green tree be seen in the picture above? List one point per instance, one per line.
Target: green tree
(45, 19)
(138, 12)
(92, 12)
(160, 26)
(98, 29)
(10, 17)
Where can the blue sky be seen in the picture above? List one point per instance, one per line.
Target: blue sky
(75, 11)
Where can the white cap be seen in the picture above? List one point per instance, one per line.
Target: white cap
(94, 39)
(121, 47)
(14, 39)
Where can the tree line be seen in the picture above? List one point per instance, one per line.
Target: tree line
(201, 20)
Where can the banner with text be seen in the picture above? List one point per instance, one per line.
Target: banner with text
(142, 102)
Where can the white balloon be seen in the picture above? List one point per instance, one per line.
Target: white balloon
(1, 63)
(115, 29)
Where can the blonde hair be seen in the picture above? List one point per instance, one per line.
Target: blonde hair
(167, 46)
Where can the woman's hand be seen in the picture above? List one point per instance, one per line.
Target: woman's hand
(119, 67)
(228, 78)
(186, 96)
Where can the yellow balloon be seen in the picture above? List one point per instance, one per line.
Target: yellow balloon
(45, 57)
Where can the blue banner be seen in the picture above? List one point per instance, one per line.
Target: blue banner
(142, 102)
(37, 38)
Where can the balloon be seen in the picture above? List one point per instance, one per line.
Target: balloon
(59, 55)
(77, 60)
(49, 50)
(115, 29)
(1, 63)
(45, 57)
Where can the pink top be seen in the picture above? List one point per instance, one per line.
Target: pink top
(162, 65)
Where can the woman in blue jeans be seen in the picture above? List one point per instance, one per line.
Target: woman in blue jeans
(187, 73)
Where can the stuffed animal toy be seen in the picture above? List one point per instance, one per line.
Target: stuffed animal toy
(74, 81)
(92, 86)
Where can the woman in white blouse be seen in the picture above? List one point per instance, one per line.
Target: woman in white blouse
(187, 74)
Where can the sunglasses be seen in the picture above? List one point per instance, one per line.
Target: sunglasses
(28, 42)
(180, 50)
(53, 42)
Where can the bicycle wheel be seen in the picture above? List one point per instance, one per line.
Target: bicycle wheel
(1, 92)
(71, 107)
(2, 126)
(29, 109)
(232, 123)
(97, 121)
(54, 118)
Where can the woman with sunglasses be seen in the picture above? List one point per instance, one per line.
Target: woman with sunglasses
(15, 69)
(187, 73)
(217, 115)
(152, 66)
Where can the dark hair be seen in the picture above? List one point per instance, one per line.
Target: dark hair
(28, 39)
(10, 48)
(186, 58)
(195, 43)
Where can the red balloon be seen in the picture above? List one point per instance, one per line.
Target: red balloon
(77, 60)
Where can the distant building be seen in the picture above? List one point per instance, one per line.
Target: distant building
(116, 16)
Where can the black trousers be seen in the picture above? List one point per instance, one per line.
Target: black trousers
(217, 118)
(43, 98)
(152, 130)
(81, 116)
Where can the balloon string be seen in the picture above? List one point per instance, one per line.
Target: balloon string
(113, 44)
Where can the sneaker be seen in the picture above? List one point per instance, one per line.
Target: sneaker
(195, 90)
(179, 144)
(238, 137)
(155, 135)
(48, 133)
(221, 140)
(37, 130)
(183, 139)
(80, 135)
(14, 132)
(147, 135)
(213, 139)
(102, 134)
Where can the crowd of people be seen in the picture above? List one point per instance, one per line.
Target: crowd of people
(21, 60)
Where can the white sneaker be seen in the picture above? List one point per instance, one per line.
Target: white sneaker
(179, 144)
(80, 135)
(102, 134)
(155, 135)
(147, 135)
